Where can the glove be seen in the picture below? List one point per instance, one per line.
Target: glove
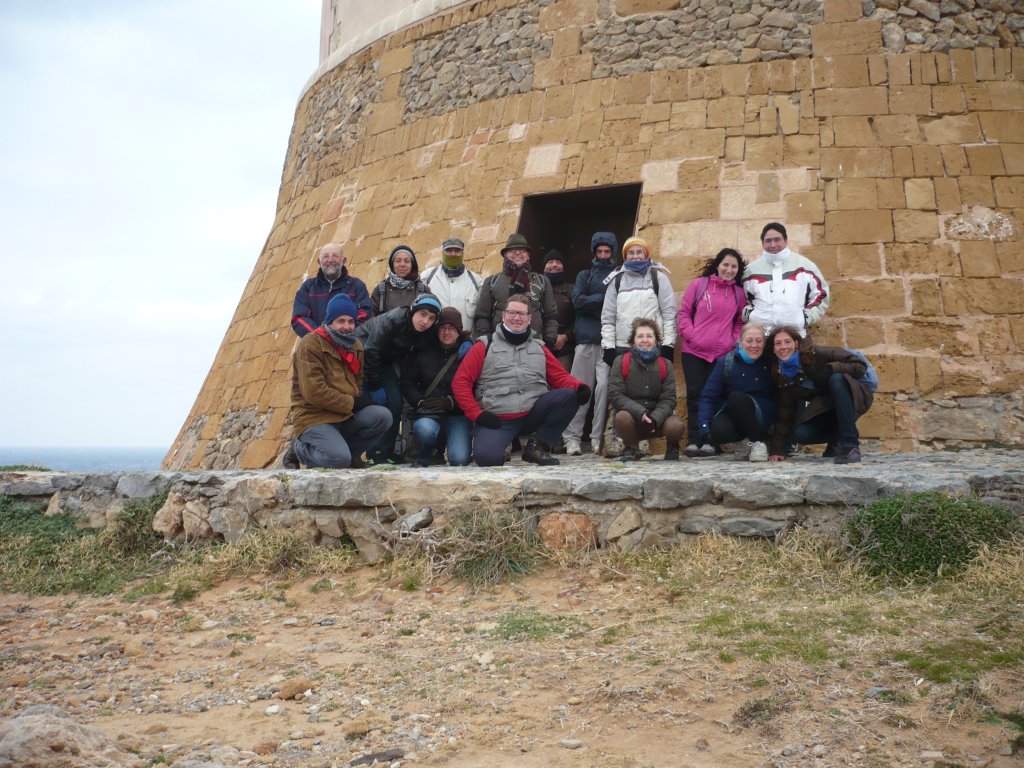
(379, 397)
(668, 352)
(608, 356)
(582, 394)
(488, 420)
(360, 402)
(437, 404)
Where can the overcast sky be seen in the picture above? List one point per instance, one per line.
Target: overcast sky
(141, 148)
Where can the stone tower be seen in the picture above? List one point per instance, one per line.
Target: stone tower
(888, 136)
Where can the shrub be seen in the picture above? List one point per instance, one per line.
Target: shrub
(927, 534)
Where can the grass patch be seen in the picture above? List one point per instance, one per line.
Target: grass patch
(960, 660)
(760, 712)
(534, 625)
(23, 468)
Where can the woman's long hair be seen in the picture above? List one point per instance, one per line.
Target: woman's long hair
(804, 345)
(711, 265)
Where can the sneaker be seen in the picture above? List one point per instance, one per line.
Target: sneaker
(537, 452)
(758, 451)
(742, 450)
(630, 454)
(692, 451)
(613, 447)
(851, 456)
(290, 460)
(572, 448)
(672, 453)
(707, 450)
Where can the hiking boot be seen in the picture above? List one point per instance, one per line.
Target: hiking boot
(572, 448)
(290, 460)
(630, 454)
(672, 453)
(537, 452)
(758, 451)
(851, 456)
(692, 451)
(742, 452)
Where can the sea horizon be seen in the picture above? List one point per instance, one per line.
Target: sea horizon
(85, 459)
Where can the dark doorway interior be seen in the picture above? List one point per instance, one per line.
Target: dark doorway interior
(565, 221)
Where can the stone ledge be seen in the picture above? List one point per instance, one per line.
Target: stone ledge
(629, 505)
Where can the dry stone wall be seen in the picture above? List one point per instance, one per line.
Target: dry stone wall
(901, 173)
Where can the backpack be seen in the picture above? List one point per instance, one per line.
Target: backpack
(870, 377)
(628, 357)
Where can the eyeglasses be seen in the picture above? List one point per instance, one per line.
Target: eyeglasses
(514, 313)
(773, 240)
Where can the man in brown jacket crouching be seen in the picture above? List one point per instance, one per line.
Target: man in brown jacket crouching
(333, 421)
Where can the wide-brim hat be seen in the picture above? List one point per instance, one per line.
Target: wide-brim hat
(516, 241)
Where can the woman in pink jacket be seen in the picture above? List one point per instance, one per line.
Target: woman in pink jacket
(709, 325)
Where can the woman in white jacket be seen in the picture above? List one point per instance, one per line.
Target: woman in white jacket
(639, 288)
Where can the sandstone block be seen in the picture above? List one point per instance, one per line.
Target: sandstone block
(854, 194)
(801, 151)
(919, 259)
(896, 130)
(915, 226)
(851, 37)
(805, 207)
(850, 72)
(1011, 259)
(702, 173)
(568, 13)
(982, 296)
(947, 195)
(903, 161)
(763, 153)
(927, 161)
(859, 260)
(598, 168)
(910, 99)
(853, 132)
(985, 160)
(1002, 127)
(396, 60)
(842, 10)
(976, 190)
(1009, 192)
(633, 89)
(896, 373)
(705, 142)
(168, 519)
(879, 422)
(869, 100)
(633, 7)
(724, 112)
(767, 188)
(660, 177)
(858, 162)
(868, 297)
(567, 531)
(668, 208)
(924, 335)
(858, 226)
(952, 129)
(566, 43)
(948, 100)
(1013, 159)
(863, 332)
(929, 374)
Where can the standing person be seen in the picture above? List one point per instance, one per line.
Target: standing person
(710, 319)
(554, 271)
(642, 388)
(639, 288)
(402, 285)
(509, 384)
(820, 393)
(783, 287)
(333, 420)
(387, 340)
(454, 284)
(517, 278)
(438, 422)
(587, 364)
(332, 278)
(737, 404)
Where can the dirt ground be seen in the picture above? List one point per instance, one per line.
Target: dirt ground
(566, 668)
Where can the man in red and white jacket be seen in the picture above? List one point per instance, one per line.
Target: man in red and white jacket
(509, 384)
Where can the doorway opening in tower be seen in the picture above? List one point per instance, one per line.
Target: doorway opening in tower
(565, 221)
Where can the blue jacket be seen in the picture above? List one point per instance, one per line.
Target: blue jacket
(753, 379)
(588, 299)
(311, 300)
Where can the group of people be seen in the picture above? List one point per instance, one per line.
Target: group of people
(452, 367)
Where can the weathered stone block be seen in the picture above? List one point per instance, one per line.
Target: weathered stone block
(978, 259)
(910, 99)
(931, 336)
(633, 7)
(976, 190)
(858, 260)
(762, 491)
(801, 151)
(868, 297)
(1011, 259)
(671, 493)
(567, 531)
(667, 208)
(851, 37)
(1002, 127)
(920, 194)
(568, 13)
(702, 173)
(1009, 192)
(982, 296)
(896, 373)
(862, 162)
(611, 489)
(705, 142)
(853, 132)
(951, 129)
(919, 259)
(1013, 158)
(724, 112)
(869, 100)
(855, 194)
(858, 226)
(862, 332)
(916, 226)
(947, 195)
(805, 207)
(764, 153)
(849, 491)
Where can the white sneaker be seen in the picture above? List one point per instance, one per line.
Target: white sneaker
(613, 447)
(707, 450)
(758, 451)
(572, 448)
(742, 450)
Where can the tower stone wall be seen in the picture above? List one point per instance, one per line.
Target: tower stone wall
(889, 137)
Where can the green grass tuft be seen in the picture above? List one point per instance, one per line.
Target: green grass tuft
(533, 625)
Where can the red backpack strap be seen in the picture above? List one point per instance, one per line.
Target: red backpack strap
(625, 364)
(662, 368)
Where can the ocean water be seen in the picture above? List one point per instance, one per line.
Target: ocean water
(85, 459)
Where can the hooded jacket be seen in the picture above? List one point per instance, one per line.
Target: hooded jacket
(634, 296)
(388, 339)
(710, 317)
(311, 299)
(590, 288)
(784, 289)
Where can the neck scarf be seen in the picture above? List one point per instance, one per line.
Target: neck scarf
(556, 278)
(515, 338)
(777, 258)
(647, 355)
(790, 368)
(640, 266)
(451, 262)
(518, 277)
(344, 343)
(400, 283)
(455, 271)
(744, 356)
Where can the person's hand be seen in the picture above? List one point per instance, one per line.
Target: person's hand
(488, 420)
(608, 356)
(668, 352)
(560, 341)
(437, 404)
(776, 457)
(582, 394)
(379, 396)
(646, 418)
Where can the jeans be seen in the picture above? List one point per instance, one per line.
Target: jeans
(588, 367)
(838, 424)
(433, 434)
(335, 445)
(385, 446)
(547, 419)
(740, 417)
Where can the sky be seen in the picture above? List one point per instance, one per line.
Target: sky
(141, 149)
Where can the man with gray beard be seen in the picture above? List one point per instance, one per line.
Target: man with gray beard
(331, 279)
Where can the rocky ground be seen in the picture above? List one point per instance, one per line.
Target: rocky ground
(581, 666)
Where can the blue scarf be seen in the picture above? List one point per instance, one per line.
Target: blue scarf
(791, 367)
(647, 355)
(638, 265)
(744, 356)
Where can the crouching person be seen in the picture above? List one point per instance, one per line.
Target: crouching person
(509, 384)
(642, 390)
(334, 422)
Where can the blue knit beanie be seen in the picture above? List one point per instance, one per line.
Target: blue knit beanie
(340, 304)
(427, 301)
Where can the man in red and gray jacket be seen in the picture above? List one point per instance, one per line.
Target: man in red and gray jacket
(331, 279)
